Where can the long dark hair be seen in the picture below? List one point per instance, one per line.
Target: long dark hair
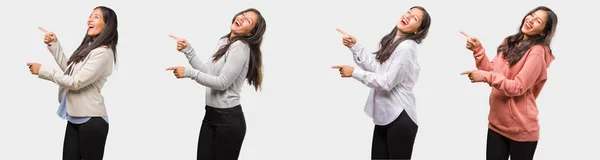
(254, 75)
(108, 37)
(513, 52)
(388, 45)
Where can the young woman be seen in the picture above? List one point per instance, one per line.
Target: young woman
(80, 82)
(238, 58)
(517, 75)
(391, 73)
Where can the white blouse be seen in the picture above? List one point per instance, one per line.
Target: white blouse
(391, 83)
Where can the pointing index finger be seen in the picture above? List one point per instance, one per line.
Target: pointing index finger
(465, 34)
(43, 30)
(174, 37)
(341, 31)
(466, 72)
(337, 66)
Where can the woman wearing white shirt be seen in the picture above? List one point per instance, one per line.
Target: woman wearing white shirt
(391, 73)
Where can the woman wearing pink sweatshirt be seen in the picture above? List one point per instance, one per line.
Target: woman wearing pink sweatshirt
(517, 75)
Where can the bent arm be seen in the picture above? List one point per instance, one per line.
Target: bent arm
(100, 61)
(59, 55)
(234, 64)
(534, 66)
(400, 66)
(481, 60)
(362, 58)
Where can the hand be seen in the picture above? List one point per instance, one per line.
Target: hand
(472, 42)
(49, 38)
(345, 70)
(181, 43)
(178, 71)
(348, 40)
(474, 76)
(34, 68)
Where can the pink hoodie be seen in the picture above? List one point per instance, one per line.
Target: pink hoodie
(513, 110)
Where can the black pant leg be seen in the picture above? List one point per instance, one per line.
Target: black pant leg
(206, 141)
(229, 138)
(401, 134)
(92, 138)
(379, 147)
(497, 146)
(71, 143)
(522, 150)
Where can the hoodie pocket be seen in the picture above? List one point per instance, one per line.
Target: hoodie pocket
(501, 113)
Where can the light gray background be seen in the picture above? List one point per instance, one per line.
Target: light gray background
(306, 111)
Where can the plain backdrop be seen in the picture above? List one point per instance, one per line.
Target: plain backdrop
(305, 111)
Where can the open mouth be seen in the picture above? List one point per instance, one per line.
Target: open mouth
(238, 23)
(528, 26)
(91, 26)
(404, 21)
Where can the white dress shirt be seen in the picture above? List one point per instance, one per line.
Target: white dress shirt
(391, 83)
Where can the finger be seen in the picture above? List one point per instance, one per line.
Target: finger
(43, 30)
(337, 67)
(341, 31)
(466, 72)
(31, 64)
(172, 68)
(175, 37)
(465, 34)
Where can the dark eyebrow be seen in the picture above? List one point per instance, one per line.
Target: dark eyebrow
(537, 17)
(418, 17)
(249, 19)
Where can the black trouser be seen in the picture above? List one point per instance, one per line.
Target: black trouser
(85, 141)
(221, 134)
(500, 147)
(395, 140)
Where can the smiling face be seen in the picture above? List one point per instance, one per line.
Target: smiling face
(534, 23)
(410, 21)
(95, 23)
(243, 24)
